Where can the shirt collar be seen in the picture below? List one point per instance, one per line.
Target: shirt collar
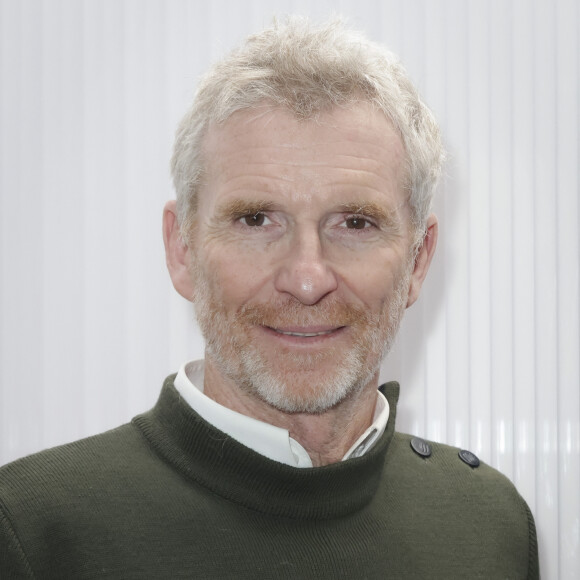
(268, 440)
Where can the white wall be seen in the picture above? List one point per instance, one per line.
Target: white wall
(90, 95)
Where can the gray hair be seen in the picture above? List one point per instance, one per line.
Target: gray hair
(310, 69)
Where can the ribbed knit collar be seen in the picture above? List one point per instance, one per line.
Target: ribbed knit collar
(214, 460)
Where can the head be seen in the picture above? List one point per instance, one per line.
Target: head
(310, 70)
(304, 174)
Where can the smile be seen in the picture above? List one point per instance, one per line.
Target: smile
(295, 332)
(305, 334)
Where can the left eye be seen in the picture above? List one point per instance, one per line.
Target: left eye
(258, 219)
(356, 223)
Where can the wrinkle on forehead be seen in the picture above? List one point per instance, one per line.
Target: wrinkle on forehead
(353, 128)
(270, 143)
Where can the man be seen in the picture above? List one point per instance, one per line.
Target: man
(302, 230)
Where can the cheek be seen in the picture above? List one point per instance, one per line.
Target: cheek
(375, 280)
(235, 278)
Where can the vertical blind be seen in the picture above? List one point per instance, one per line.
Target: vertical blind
(488, 359)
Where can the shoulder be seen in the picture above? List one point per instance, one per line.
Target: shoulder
(42, 494)
(451, 498)
(53, 474)
(446, 465)
(450, 472)
(81, 450)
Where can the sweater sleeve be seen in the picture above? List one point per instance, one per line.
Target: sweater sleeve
(13, 562)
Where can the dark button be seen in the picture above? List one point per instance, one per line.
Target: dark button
(469, 458)
(421, 447)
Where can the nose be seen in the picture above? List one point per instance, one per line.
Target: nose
(303, 272)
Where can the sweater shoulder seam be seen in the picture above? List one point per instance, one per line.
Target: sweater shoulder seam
(532, 544)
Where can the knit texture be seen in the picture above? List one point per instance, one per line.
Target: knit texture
(169, 496)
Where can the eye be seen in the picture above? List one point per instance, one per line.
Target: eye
(258, 219)
(357, 222)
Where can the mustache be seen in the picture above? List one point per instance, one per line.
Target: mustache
(292, 312)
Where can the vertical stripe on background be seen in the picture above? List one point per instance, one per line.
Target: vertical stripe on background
(566, 376)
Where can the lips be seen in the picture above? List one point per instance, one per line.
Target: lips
(305, 334)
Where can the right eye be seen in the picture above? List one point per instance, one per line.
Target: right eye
(256, 220)
(357, 222)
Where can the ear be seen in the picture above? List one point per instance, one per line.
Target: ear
(423, 259)
(177, 253)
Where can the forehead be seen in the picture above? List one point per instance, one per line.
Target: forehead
(355, 146)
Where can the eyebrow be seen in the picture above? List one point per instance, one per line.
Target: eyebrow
(238, 208)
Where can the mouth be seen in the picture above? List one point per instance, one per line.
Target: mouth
(304, 334)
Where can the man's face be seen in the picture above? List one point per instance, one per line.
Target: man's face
(301, 253)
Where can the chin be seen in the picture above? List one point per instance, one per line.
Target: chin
(313, 387)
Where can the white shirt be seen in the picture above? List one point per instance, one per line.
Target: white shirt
(268, 440)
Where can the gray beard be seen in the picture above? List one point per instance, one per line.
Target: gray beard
(291, 390)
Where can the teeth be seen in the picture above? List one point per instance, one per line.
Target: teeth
(305, 334)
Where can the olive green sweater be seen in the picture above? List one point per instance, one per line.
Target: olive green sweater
(168, 496)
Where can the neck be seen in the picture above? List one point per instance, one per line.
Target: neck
(326, 436)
